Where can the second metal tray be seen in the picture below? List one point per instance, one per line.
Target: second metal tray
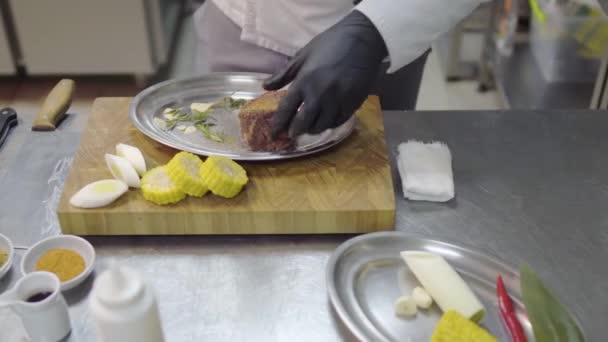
(366, 275)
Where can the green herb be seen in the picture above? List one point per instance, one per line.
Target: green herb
(205, 128)
(202, 121)
(173, 116)
(550, 320)
(236, 103)
(198, 116)
(230, 103)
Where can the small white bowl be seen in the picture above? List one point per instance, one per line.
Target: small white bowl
(71, 242)
(6, 245)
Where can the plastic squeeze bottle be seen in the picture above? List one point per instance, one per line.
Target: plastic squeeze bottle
(124, 308)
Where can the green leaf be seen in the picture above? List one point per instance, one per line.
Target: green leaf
(550, 320)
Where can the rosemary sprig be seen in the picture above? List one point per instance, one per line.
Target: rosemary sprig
(236, 103)
(205, 128)
(173, 116)
(229, 103)
(198, 116)
(201, 120)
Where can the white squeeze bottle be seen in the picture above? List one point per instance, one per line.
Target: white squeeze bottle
(124, 308)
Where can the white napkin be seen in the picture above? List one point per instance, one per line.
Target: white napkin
(426, 171)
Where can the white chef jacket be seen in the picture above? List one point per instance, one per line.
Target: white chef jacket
(408, 27)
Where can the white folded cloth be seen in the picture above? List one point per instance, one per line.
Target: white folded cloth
(426, 171)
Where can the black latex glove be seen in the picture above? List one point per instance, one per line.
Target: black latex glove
(332, 75)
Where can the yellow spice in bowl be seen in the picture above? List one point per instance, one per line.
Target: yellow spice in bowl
(3, 257)
(66, 264)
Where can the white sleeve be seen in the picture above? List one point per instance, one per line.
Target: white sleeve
(410, 26)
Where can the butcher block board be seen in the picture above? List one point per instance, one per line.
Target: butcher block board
(346, 189)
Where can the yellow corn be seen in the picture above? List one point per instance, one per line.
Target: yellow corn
(157, 187)
(183, 169)
(223, 176)
(453, 327)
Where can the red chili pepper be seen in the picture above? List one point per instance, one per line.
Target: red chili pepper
(507, 313)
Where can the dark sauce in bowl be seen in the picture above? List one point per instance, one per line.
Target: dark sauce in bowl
(38, 297)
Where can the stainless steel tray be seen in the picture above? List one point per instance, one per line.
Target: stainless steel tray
(366, 275)
(151, 102)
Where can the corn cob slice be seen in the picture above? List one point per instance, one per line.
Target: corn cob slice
(184, 171)
(223, 176)
(454, 327)
(158, 188)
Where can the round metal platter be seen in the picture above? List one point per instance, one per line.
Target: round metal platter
(151, 102)
(366, 275)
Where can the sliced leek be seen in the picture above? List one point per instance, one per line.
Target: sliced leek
(133, 155)
(99, 193)
(122, 169)
(444, 284)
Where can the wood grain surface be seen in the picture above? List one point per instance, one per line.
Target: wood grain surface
(347, 189)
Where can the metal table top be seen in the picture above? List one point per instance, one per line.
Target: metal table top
(530, 185)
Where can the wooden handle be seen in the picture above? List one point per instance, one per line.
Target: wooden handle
(54, 106)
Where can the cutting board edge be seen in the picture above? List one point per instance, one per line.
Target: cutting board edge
(175, 223)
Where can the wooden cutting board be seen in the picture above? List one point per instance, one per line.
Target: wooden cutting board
(347, 189)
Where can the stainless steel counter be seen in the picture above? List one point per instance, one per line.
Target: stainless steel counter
(530, 186)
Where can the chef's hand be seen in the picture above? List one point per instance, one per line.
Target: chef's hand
(332, 75)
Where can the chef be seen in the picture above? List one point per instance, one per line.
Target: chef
(333, 53)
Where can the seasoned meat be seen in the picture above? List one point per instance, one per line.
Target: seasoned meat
(256, 123)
